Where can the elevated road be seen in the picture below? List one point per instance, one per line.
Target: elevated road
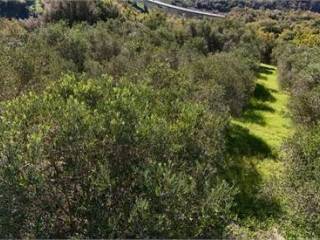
(181, 9)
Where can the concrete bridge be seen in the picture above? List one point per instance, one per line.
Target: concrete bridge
(182, 10)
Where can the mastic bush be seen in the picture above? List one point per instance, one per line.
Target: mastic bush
(232, 72)
(300, 75)
(95, 158)
(302, 159)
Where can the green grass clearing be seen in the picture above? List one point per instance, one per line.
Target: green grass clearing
(267, 116)
(255, 142)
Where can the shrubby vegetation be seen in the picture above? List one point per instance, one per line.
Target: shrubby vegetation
(50, 10)
(302, 183)
(118, 128)
(299, 74)
(98, 158)
(157, 49)
(74, 11)
(119, 124)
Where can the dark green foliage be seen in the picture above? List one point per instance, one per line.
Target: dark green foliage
(133, 48)
(77, 11)
(303, 163)
(296, 64)
(306, 107)
(28, 65)
(242, 143)
(136, 141)
(230, 71)
(300, 73)
(92, 158)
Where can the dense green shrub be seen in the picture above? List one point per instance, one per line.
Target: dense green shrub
(31, 65)
(92, 158)
(302, 159)
(76, 11)
(106, 48)
(300, 74)
(296, 66)
(232, 72)
(139, 154)
(305, 107)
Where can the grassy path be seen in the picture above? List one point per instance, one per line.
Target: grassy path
(255, 142)
(267, 119)
(267, 116)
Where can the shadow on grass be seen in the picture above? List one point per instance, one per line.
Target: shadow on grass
(252, 201)
(255, 201)
(266, 70)
(258, 105)
(254, 114)
(263, 94)
(244, 148)
(262, 77)
(242, 143)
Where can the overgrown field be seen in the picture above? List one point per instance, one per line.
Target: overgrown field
(121, 124)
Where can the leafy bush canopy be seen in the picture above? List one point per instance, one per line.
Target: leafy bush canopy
(116, 124)
(299, 74)
(111, 160)
(302, 185)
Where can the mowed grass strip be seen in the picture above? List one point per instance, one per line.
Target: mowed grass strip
(267, 121)
(267, 116)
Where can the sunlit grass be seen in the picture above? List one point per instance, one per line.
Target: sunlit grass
(274, 124)
(255, 141)
(267, 118)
